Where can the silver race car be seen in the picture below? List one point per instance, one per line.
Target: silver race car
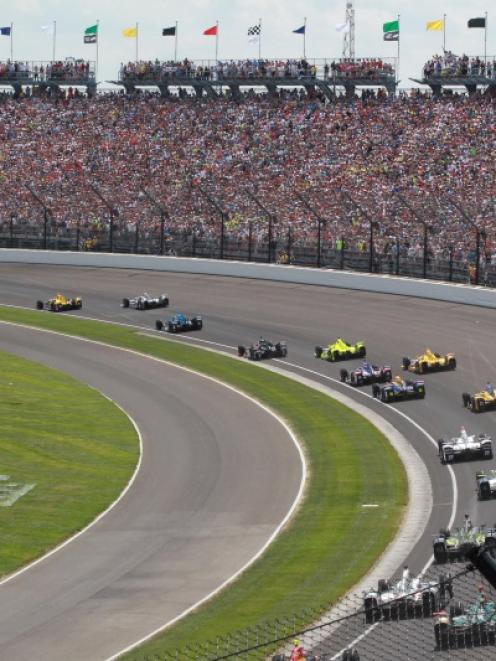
(146, 302)
(486, 484)
(465, 446)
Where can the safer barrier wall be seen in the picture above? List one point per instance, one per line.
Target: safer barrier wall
(384, 284)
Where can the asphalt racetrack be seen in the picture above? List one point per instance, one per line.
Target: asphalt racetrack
(239, 311)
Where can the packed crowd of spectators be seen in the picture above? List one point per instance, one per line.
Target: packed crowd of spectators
(433, 152)
(60, 70)
(450, 65)
(292, 69)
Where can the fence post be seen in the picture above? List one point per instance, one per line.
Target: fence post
(341, 266)
(136, 237)
(397, 256)
(289, 244)
(193, 244)
(450, 277)
(249, 240)
(77, 234)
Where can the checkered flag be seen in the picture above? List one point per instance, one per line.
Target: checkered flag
(254, 33)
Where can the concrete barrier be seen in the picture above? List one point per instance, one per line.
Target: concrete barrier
(383, 284)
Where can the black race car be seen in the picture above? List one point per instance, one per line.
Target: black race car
(146, 302)
(180, 324)
(264, 349)
(366, 374)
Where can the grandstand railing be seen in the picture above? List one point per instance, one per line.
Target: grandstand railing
(334, 70)
(57, 71)
(283, 250)
(477, 66)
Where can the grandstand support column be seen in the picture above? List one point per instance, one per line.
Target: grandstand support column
(450, 257)
(320, 220)
(426, 230)
(11, 229)
(222, 229)
(288, 251)
(270, 216)
(78, 233)
(221, 212)
(397, 255)
(373, 225)
(250, 239)
(136, 236)
(46, 213)
(343, 245)
(163, 215)
(114, 213)
(478, 234)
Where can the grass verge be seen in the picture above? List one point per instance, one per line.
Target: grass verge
(332, 540)
(76, 447)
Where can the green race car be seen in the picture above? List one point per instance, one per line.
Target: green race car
(341, 350)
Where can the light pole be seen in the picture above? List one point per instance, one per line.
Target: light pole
(422, 222)
(372, 223)
(271, 217)
(222, 214)
(163, 215)
(320, 220)
(46, 212)
(479, 233)
(113, 213)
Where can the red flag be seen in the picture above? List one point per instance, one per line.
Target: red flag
(211, 32)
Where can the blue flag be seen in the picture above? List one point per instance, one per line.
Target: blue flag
(300, 30)
(5, 32)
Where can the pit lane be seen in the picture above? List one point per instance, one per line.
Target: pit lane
(238, 311)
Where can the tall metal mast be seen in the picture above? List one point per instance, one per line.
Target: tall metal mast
(349, 32)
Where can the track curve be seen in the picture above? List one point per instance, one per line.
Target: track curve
(191, 518)
(238, 311)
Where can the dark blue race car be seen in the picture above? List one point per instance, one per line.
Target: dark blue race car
(398, 389)
(179, 323)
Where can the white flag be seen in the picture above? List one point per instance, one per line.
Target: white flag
(47, 29)
(342, 27)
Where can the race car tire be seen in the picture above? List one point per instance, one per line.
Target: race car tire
(79, 305)
(362, 352)
(284, 352)
(456, 609)
(422, 368)
(384, 396)
(335, 355)
(428, 604)
(484, 491)
(241, 350)
(466, 398)
(372, 613)
(172, 328)
(343, 375)
(163, 301)
(375, 391)
(145, 305)
(452, 364)
(317, 352)
(386, 376)
(441, 634)
(125, 302)
(405, 363)
(383, 585)
(440, 553)
(159, 325)
(39, 305)
(477, 405)
(197, 324)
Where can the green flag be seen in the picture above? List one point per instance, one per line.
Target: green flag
(91, 34)
(391, 31)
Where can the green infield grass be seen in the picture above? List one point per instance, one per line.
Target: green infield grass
(66, 452)
(331, 541)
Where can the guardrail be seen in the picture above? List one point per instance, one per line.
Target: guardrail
(383, 284)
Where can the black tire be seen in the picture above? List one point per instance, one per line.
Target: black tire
(466, 398)
(405, 363)
(376, 391)
(241, 350)
(164, 301)
(428, 604)
(440, 553)
(318, 352)
(198, 324)
(441, 634)
(159, 325)
(452, 364)
(372, 613)
(284, 351)
(355, 656)
(125, 302)
(386, 376)
(79, 306)
(456, 609)
(39, 305)
(484, 491)
(382, 585)
(145, 305)
(477, 405)
(343, 375)
(362, 352)
(384, 396)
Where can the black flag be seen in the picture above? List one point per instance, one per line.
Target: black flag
(477, 23)
(169, 32)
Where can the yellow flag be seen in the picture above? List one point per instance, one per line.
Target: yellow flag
(435, 25)
(129, 32)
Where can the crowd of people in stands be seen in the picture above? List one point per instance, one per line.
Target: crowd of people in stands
(353, 160)
(292, 69)
(60, 70)
(450, 65)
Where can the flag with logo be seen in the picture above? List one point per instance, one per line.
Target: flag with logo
(391, 30)
(91, 34)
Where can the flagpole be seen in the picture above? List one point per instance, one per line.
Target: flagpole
(485, 44)
(137, 26)
(175, 45)
(11, 42)
(305, 38)
(54, 38)
(398, 67)
(444, 32)
(96, 43)
(216, 41)
(259, 39)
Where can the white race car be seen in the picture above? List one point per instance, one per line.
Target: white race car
(465, 446)
(486, 484)
(146, 302)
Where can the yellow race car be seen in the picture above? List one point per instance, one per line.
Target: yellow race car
(481, 401)
(60, 303)
(430, 361)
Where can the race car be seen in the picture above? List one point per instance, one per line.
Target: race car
(398, 389)
(449, 545)
(180, 324)
(466, 628)
(481, 401)
(430, 361)
(366, 374)
(146, 302)
(465, 446)
(486, 484)
(341, 350)
(410, 596)
(264, 349)
(60, 303)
